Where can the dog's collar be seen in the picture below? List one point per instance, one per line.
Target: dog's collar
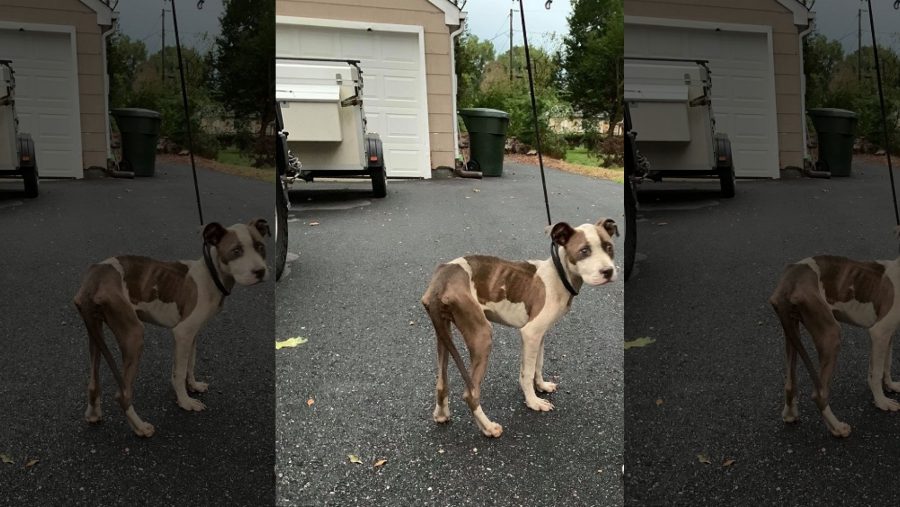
(213, 272)
(554, 254)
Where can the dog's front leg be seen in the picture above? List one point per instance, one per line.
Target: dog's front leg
(193, 384)
(539, 383)
(881, 345)
(531, 347)
(889, 383)
(184, 345)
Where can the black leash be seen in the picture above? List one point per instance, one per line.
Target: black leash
(213, 271)
(884, 124)
(187, 112)
(554, 253)
(537, 130)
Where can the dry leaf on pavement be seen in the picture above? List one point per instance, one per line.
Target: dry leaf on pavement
(639, 342)
(354, 459)
(290, 342)
(380, 463)
(703, 459)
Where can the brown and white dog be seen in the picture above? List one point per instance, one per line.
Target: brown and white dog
(126, 291)
(820, 292)
(473, 291)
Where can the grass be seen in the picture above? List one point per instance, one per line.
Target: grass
(232, 156)
(582, 156)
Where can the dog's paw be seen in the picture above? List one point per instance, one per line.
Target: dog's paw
(93, 414)
(842, 430)
(892, 387)
(539, 405)
(545, 387)
(197, 387)
(143, 429)
(441, 414)
(493, 430)
(191, 404)
(887, 404)
(790, 413)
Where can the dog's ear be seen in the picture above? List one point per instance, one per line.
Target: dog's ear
(609, 225)
(213, 233)
(561, 233)
(261, 225)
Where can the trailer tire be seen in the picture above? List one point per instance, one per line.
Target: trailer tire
(28, 165)
(379, 182)
(725, 165)
(726, 181)
(630, 228)
(281, 229)
(30, 175)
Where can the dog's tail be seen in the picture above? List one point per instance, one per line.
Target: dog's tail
(442, 330)
(95, 335)
(791, 328)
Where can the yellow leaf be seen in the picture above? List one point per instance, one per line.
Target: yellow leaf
(703, 459)
(310, 402)
(659, 402)
(31, 463)
(639, 342)
(290, 342)
(313, 224)
(380, 463)
(6, 459)
(354, 459)
(728, 463)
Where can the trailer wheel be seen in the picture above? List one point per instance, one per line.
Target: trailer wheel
(28, 165)
(281, 228)
(379, 182)
(630, 227)
(725, 165)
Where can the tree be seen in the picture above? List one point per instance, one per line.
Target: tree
(821, 57)
(245, 70)
(472, 57)
(123, 57)
(592, 59)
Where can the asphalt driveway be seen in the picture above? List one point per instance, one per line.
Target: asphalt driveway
(369, 363)
(711, 387)
(223, 455)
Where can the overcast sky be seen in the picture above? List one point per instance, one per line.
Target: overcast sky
(837, 19)
(488, 19)
(142, 20)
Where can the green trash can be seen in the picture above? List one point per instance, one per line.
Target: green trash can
(835, 129)
(140, 133)
(487, 138)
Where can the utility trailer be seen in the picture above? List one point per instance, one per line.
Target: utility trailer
(17, 158)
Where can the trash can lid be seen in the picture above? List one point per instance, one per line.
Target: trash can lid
(833, 112)
(135, 112)
(484, 112)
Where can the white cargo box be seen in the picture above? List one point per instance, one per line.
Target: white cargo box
(661, 110)
(311, 112)
(9, 157)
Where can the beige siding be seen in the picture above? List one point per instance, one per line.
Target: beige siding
(437, 53)
(786, 49)
(91, 70)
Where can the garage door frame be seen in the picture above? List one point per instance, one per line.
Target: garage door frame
(73, 46)
(730, 27)
(384, 27)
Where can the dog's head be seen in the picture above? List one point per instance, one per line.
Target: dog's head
(240, 249)
(589, 249)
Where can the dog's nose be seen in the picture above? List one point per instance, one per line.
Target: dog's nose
(260, 273)
(607, 273)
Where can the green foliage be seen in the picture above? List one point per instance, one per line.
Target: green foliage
(472, 56)
(593, 56)
(245, 69)
(123, 56)
(820, 58)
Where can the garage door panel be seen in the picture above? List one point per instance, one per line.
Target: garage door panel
(46, 102)
(392, 94)
(742, 85)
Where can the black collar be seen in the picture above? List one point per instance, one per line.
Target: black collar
(213, 272)
(554, 254)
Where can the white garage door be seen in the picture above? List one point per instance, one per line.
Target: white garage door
(46, 97)
(743, 86)
(393, 86)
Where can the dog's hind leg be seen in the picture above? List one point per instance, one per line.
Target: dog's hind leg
(441, 412)
(791, 326)
(476, 330)
(129, 332)
(94, 325)
(826, 333)
(880, 368)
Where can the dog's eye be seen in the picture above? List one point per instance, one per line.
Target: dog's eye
(608, 248)
(586, 251)
(259, 247)
(237, 251)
